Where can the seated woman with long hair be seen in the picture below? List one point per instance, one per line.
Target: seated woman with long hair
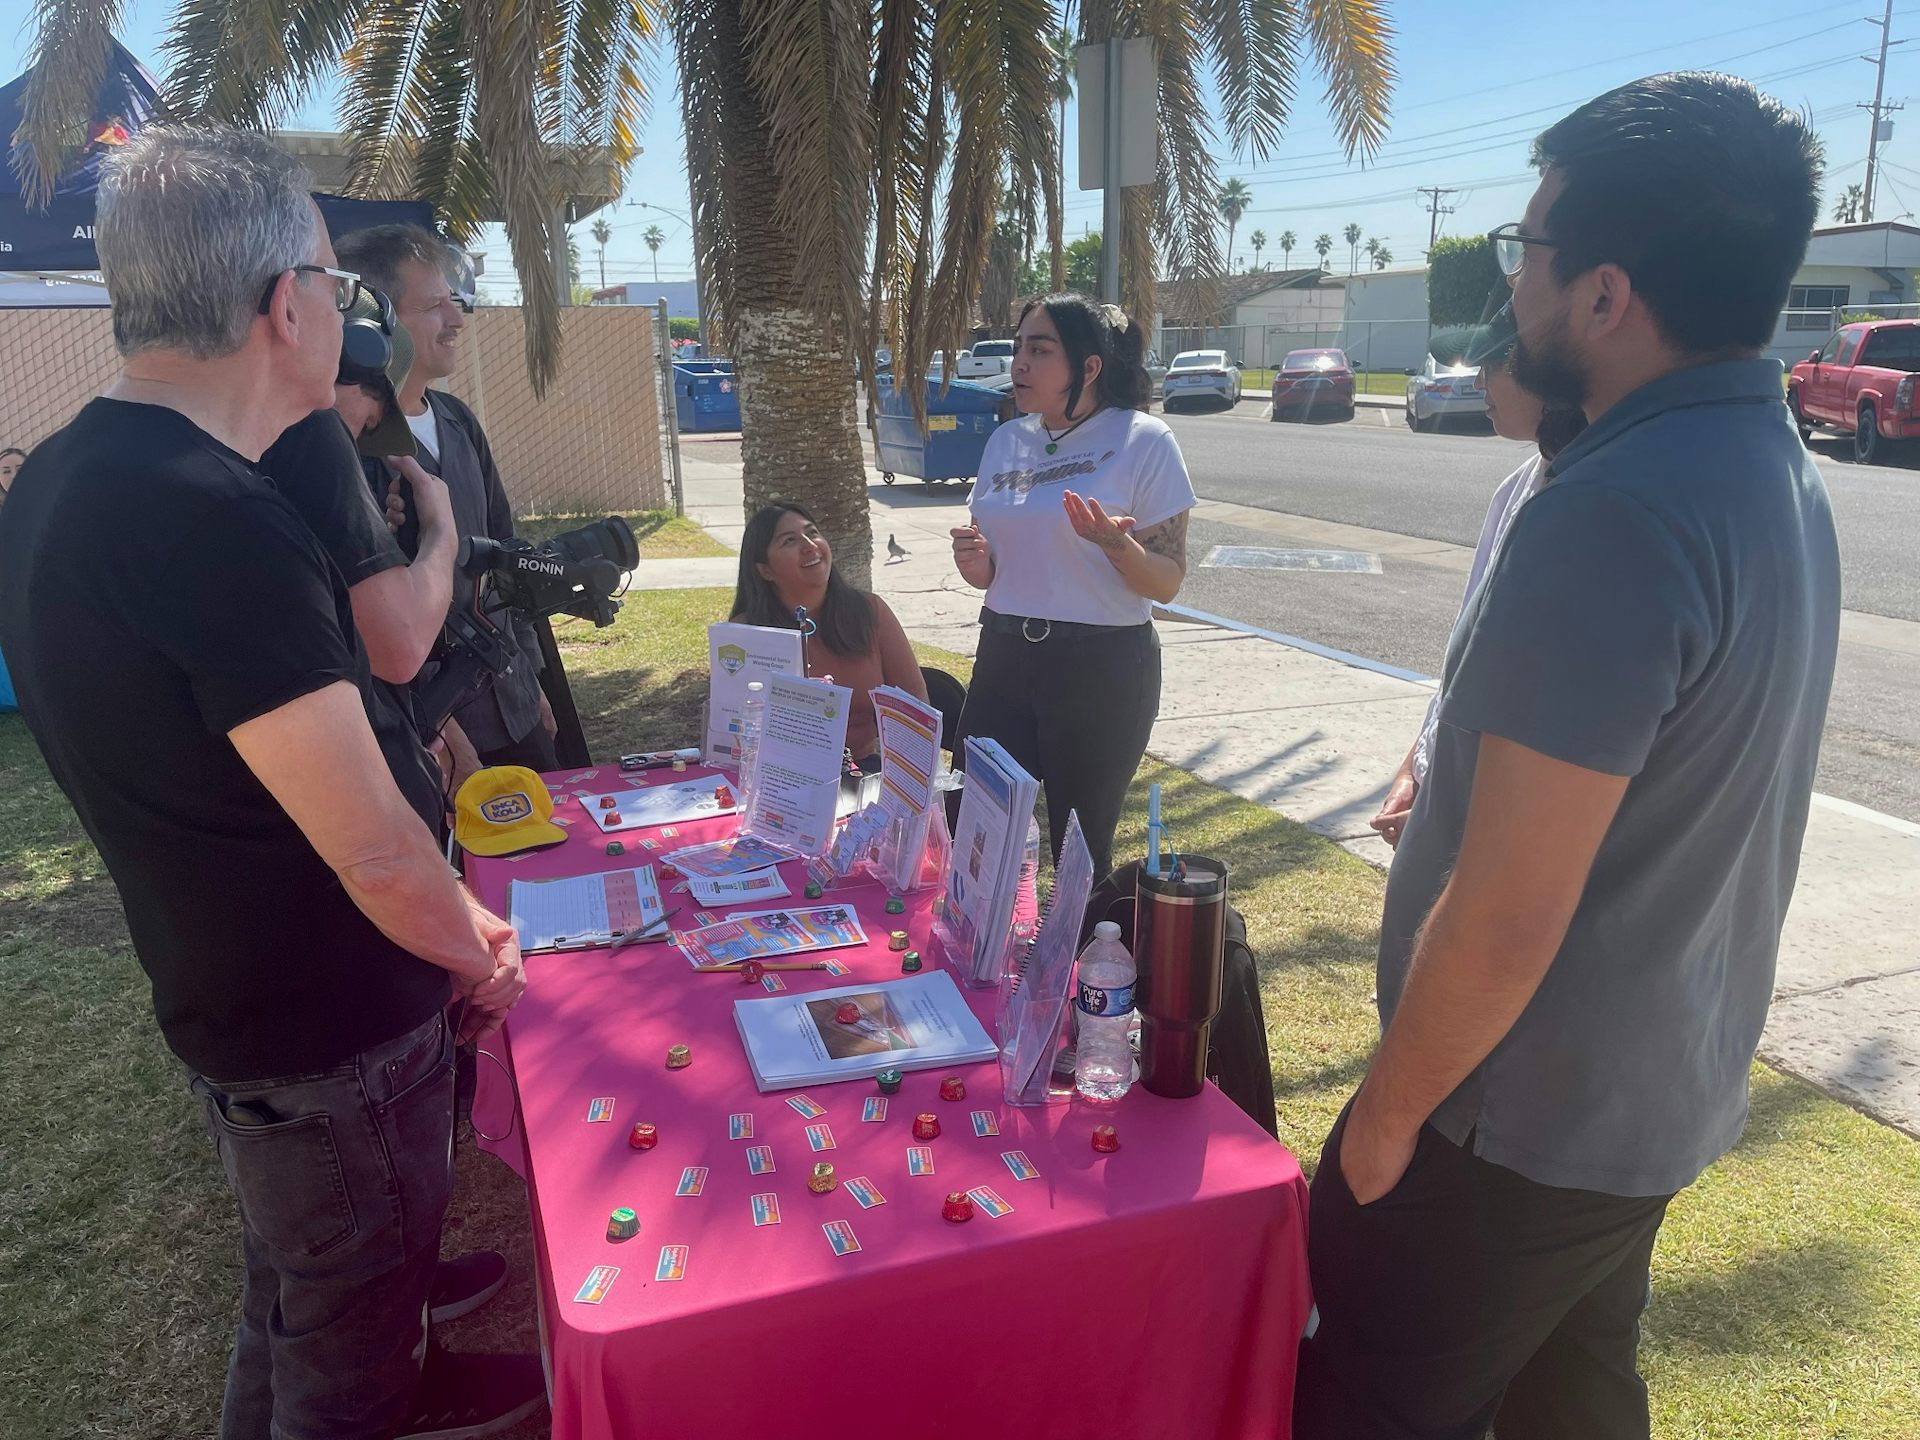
(786, 564)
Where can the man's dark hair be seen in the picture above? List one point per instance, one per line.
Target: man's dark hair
(376, 253)
(1698, 186)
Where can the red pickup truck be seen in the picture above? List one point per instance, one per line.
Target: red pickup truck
(1860, 382)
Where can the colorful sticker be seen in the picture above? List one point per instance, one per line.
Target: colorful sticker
(706, 917)
(875, 1110)
(985, 1123)
(759, 1159)
(820, 1137)
(693, 1180)
(864, 1190)
(600, 1110)
(740, 1127)
(840, 1237)
(772, 984)
(1020, 1165)
(805, 1107)
(649, 844)
(667, 832)
(598, 1282)
(988, 1199)
(673, 1263)
(919, 1160)
(766, 1209)
(834, 967)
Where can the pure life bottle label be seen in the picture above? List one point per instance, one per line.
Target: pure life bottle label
(1098, 1000)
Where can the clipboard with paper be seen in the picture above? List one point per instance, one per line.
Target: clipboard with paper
(1039, 988)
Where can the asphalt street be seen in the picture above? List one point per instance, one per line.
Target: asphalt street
(1371, 486)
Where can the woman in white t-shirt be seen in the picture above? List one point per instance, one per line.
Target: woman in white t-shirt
(1079, 525)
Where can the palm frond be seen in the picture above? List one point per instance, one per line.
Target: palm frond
(1353, 44)
(1186, 186)
(1256, 57)
(605, 99)
(71, 46)
(448, 165)
(809, 66)
(902, 83)
(707, 36)
(386, 91)
(230, 60)
(510, 119)
(917, 340)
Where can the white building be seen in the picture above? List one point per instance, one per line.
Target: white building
(1849, 269)
(1384, 325)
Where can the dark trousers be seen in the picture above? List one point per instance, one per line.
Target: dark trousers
(343, 1179)
(533, 750)
(1470, 1296)
(1076, 711)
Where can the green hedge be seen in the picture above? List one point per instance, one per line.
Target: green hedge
(1461, 274)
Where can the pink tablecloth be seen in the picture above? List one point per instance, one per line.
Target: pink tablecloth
(1157, 1292)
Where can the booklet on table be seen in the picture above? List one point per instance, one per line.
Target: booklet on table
(974, 919)
(919, 1022)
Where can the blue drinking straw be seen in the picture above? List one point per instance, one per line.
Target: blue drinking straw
(1153, 831)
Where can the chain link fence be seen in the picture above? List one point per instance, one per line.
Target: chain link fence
(593, 444)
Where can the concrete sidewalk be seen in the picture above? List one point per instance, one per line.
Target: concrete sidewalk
(1317, 736)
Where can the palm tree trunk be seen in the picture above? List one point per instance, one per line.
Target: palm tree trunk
(1232, 225)
(603, 267)
(799, 439)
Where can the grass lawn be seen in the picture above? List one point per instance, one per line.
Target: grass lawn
(1367, 382)
(1786, 1285)
(662, 534)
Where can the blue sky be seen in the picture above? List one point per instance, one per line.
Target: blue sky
(1477, 80)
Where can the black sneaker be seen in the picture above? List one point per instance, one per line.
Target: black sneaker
(462, 1285)
(466, 1397)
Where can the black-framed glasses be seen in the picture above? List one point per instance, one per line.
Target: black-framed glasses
(1510, 243)
(346, 286)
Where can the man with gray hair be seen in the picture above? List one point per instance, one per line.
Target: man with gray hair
(301, 931)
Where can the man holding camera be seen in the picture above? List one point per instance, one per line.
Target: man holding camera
(302, 934)
(509, 722)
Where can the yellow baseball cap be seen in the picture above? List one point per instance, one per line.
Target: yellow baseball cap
(503, 810)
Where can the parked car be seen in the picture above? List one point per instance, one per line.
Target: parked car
(1156, 372)
(1202, 375)
(1312, 383)
(1860, 382)
(1444, 390)
(989, 357)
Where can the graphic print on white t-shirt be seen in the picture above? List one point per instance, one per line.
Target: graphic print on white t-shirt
(1127, 461)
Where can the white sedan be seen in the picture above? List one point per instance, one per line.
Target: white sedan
(1443, 392)
(1201, 375)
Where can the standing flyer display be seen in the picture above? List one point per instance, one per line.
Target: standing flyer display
(909, 731)
(737, 655)
(974, 918)
(802, 753)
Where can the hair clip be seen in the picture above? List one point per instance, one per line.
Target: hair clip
(1116, 317)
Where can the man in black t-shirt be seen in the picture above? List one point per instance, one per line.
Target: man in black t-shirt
(302, 934)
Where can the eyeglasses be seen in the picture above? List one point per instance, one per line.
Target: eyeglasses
(346, 286)
(1510, 243)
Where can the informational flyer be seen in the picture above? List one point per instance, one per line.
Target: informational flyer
(737, 656)
(738, 856)
(771, 935)
(802, 753)
(917, 1023)
(909, 731)
(642, 808)
(755, 885)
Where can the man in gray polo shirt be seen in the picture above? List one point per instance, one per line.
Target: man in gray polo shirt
(1584, 913)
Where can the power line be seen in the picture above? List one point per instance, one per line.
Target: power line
(1435, 210)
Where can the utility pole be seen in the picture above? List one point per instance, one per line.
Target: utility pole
(1878, 110)
(1435, 209)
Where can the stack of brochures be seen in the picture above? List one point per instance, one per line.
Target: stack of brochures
(974, 919)
(920, 1022)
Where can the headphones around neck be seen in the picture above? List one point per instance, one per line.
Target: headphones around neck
(366, 343)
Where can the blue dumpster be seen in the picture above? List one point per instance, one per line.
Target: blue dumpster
(958, 424)
(704, 395)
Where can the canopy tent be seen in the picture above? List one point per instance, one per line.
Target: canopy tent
(60, 236)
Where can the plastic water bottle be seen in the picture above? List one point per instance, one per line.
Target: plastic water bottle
(753, 718)
(1103, 1069)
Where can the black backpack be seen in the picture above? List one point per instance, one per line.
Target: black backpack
(1237, 1047)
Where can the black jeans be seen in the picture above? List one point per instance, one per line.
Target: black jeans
(1076, 712)
(1470, 1296)
(343, 1179)
(533, 750)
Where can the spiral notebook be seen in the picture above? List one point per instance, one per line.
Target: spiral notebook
(1036, 994)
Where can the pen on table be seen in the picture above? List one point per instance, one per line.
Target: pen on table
(737, 966)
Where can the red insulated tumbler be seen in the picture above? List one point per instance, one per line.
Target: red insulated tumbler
(1180, 936)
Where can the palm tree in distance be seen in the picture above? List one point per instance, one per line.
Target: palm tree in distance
(1287, 241)
(1233, 202)
(1372, 248)
(602, 232)
(848, 165)
(1259, 242)
(1323, 246)
(1382, 258)
(1846, 209)
(1065, 58)
(655, 238)
(1352, 232)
